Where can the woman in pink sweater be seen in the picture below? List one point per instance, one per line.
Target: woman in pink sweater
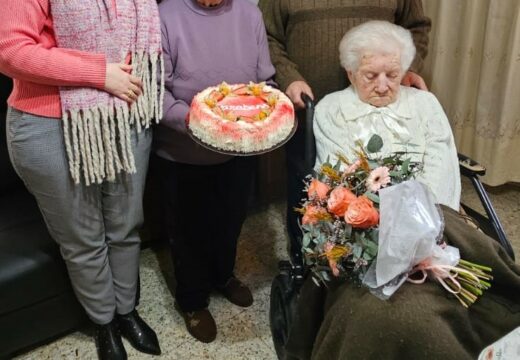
(84, 95)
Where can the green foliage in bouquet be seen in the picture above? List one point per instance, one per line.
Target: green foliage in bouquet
(340, 222)
(341, 212)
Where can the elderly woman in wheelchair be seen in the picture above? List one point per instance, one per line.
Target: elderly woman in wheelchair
(345, 321)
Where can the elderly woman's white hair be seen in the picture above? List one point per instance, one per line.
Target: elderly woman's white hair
(376, 37)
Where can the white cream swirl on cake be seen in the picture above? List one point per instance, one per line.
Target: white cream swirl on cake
(241, 118)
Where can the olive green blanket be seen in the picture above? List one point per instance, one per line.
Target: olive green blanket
(345, 321)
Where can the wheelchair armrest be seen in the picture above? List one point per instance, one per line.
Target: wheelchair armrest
(469, 167)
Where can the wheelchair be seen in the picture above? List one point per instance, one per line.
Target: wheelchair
(286, 285)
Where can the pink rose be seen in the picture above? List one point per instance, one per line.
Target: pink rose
(362, 214)
(318, 190)
(339, 200)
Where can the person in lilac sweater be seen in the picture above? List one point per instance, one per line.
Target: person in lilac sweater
(205, 193)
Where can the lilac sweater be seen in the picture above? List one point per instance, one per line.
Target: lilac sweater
(203, 47)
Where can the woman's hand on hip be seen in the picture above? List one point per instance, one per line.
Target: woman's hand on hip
(121, 83)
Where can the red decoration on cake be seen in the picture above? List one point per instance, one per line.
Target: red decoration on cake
(241, 118)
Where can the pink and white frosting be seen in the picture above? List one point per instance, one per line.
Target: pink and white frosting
(241, 118)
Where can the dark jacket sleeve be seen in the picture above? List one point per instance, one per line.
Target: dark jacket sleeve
(410, 15)
(275, 18)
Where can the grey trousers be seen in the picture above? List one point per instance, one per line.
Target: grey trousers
(95, 226)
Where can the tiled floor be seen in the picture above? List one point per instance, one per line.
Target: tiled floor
(243, 333)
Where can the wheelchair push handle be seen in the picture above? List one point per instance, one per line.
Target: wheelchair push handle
(309, 103)
(310, 150)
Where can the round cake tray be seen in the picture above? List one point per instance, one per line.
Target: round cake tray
(237, 153)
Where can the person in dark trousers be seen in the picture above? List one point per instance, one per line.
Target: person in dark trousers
(206, 194)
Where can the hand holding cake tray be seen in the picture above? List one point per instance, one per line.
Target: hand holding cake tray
(241, 119)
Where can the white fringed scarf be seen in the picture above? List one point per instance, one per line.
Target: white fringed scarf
(97, 126)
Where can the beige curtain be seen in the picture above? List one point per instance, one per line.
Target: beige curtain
(473, 68)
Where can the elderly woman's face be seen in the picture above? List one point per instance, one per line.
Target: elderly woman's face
(377, 78)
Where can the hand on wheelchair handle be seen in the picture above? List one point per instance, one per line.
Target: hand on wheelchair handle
(296, 90)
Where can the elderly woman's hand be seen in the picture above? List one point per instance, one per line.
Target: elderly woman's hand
(121, 83)
(414, 80)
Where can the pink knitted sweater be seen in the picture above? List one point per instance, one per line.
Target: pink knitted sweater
(29, 55)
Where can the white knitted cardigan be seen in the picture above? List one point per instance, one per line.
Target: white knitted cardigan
(416, 118)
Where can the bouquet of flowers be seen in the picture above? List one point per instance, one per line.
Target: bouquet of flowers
(341, 217)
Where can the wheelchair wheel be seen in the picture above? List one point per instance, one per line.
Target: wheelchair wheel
(281, 310)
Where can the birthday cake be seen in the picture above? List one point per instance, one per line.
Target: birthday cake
(241, 118)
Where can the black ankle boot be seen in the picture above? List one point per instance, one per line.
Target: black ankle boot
(138, 333)
(108, 342)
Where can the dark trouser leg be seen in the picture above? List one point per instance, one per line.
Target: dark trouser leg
(189, 202)
(235, 179)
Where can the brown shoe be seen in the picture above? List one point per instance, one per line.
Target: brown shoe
(237, 293)
(200, 324)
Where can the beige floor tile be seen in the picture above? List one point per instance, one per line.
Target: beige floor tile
(235, 340)
(506, 201)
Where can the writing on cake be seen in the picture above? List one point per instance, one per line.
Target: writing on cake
(243, 106)
(241, 118)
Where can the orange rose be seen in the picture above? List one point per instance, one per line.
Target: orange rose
(313, 214)
(361, 213)
(339, 200)
(318, 190)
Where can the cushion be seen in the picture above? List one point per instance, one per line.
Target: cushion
(31, 268)
(18, 207)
